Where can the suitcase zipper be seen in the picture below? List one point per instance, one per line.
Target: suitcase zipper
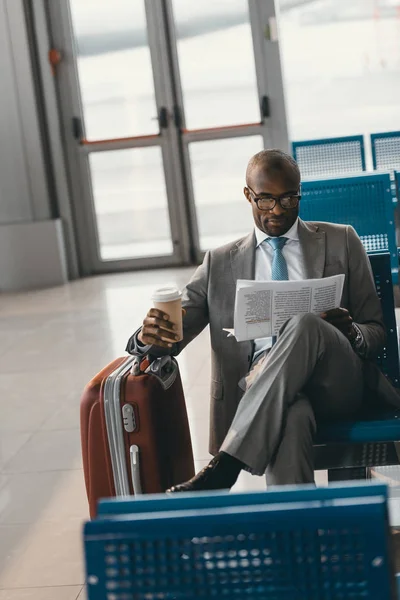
(114, 425)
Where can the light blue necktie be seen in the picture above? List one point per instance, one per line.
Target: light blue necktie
(279, 265)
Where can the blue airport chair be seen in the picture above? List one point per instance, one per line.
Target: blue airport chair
(386, 150)
(348, 448)
(295, 544)
(332, 156)
(397, 183)
(109, 507)
(364, 201)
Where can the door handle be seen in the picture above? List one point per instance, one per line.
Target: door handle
(77, 129)
(265, 108)
(177, 117)
(163, 117)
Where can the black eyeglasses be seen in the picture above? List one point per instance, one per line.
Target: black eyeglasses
(268, 202)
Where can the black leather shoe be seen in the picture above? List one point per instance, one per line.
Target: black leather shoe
(217, 475)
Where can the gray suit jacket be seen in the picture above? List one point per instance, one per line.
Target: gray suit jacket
(209, 299)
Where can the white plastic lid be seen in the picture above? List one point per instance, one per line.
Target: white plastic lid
(166, 294)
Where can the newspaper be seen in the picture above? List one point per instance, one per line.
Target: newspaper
(262, 307)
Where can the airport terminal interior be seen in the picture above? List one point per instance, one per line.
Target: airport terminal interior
(125, 131)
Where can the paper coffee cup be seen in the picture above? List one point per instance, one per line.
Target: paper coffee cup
(169, 300)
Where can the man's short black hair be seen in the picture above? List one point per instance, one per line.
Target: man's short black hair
(276, 164)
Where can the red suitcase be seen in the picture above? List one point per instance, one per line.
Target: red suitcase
(134, 429)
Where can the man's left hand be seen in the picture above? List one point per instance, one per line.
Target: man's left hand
(341, 319)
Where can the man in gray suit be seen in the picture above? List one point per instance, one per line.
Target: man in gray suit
(266, 400)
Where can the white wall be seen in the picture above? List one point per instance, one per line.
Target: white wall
(23, 187)
(15, 201)
(24, 192)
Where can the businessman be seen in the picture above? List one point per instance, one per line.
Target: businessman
(267, 399)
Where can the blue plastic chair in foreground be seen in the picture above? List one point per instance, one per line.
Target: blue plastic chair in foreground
(348, 448)
(365, 202)
(296, 544)
(386, 150)
(332, 156)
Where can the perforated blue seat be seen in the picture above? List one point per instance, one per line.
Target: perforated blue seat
(386, 150)
(365, 202)
(296, 544)
(332, 156)
(363, 442)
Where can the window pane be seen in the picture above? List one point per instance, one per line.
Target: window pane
(115, 72)
(341, 64)
(218, 171)
(130, 200)
(216, 62)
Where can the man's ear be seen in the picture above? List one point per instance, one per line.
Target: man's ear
(247, 194)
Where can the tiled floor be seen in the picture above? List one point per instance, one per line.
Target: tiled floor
(52, 343)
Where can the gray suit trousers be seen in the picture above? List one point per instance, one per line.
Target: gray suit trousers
(311, 374)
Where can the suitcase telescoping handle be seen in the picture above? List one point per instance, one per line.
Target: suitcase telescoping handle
(135, 470)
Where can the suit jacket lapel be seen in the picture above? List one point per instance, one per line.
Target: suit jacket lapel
(312, 241)
(243, 263)
(243, 258)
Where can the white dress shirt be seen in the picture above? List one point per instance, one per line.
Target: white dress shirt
(264, 254)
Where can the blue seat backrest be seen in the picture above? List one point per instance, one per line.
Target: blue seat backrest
(110, 507)
(331, 156)
(336, 548)
(365, 202)
(386, 150)
(388, 361)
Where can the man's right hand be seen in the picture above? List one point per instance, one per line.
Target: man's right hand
(158, 330)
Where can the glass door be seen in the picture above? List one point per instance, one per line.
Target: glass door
(163, 103)
(116, 99)
(229, 88)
